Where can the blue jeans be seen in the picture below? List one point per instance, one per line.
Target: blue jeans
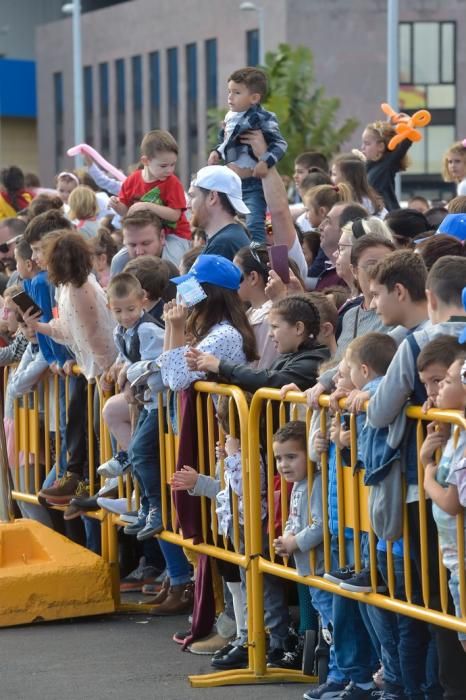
(253, 197)
(143, 453)
(323, 603)
(405, 640)
(355, 654)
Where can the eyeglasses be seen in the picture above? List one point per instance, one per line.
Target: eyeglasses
(341, 247)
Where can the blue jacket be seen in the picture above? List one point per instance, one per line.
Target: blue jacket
(43, 292)
(375, 455)
(255, 118)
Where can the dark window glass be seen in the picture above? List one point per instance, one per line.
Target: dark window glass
(104, 109)
(121, 110)
(252, 47)
(172, 67)
(154, 78)
(191, 100)
(136, 70)
(58, 119)
(211, 72)
(88, 105)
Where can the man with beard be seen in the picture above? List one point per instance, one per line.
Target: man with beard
(216, 198)
(143, 235)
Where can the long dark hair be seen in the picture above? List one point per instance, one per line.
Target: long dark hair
(220, 305)
(354, 172)
(254, 260)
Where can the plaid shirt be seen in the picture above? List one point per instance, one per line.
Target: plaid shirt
(255, 118)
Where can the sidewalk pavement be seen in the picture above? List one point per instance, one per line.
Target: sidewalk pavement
(117, 657)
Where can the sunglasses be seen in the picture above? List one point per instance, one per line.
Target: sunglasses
(4, 248)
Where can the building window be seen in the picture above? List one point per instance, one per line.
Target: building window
(154, 77)
(136, 70)
(211, 72)
(58, 118)
(88, 106)
(120, 112)
(252, 47)
(428, 81)
(172, 66)
(191, 100)
(104, 103)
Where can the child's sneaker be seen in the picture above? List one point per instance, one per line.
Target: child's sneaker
(153, 525)
(63, 490)
(116, 465)
(339, 575)
(144, 574)
(138, 525)
(326, 691)
(354, 692)
(361, 583)
(287, 659)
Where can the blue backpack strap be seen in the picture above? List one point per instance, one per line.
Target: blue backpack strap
(418, 395)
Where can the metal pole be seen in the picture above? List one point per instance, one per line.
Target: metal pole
(392, 66)
(78, 107)
(261, 13)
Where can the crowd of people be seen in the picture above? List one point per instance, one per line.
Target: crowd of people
(146, 288)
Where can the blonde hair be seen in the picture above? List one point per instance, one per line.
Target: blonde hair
(457, 149)
(370, 225)
(384, 132)
(327, 196)
(83, 203)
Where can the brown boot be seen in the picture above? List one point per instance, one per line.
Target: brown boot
(179, 601)
(161, 595)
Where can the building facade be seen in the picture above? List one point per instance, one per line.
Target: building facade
(163, 63)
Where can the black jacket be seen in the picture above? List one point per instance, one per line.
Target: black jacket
(381, 173)
(300, 368)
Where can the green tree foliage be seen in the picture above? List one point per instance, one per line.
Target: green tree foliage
(306, 116)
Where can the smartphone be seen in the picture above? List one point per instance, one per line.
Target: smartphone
(24, 302)
(346, 420)
(278, 256)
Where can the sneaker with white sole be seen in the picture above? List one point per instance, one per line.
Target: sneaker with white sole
(153, 525)
(339, 575)
(326, 691)
(116, 465)
(110, 484)
(119, 506)
(130, 517)
(361, 583)
(135, 527)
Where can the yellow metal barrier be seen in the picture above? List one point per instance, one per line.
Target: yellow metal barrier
(257, 425)
(352, 510)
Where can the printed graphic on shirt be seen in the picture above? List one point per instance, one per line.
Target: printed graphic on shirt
(153, 197)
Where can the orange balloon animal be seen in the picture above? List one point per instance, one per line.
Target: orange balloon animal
(406, 126)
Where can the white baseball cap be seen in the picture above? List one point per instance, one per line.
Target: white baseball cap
(219, 178)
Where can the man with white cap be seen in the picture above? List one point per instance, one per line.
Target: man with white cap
(216, 198)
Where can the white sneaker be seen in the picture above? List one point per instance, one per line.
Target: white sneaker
(119, 506)
(116, 465)
(109, 485)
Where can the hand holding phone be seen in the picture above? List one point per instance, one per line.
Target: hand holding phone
(278, 256)
(24, 302)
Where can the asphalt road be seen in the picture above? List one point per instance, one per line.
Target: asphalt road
(113, 657)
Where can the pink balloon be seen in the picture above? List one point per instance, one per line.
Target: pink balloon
(100, 160)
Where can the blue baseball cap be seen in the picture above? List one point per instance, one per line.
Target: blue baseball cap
(213, 269)
(454, 225)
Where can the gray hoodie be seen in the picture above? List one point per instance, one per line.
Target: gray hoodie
(308, 536)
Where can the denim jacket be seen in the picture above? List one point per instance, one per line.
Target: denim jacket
(255, 118)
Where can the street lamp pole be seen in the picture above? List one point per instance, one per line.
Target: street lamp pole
(74, 8)
(252, 7)
(393, 78)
